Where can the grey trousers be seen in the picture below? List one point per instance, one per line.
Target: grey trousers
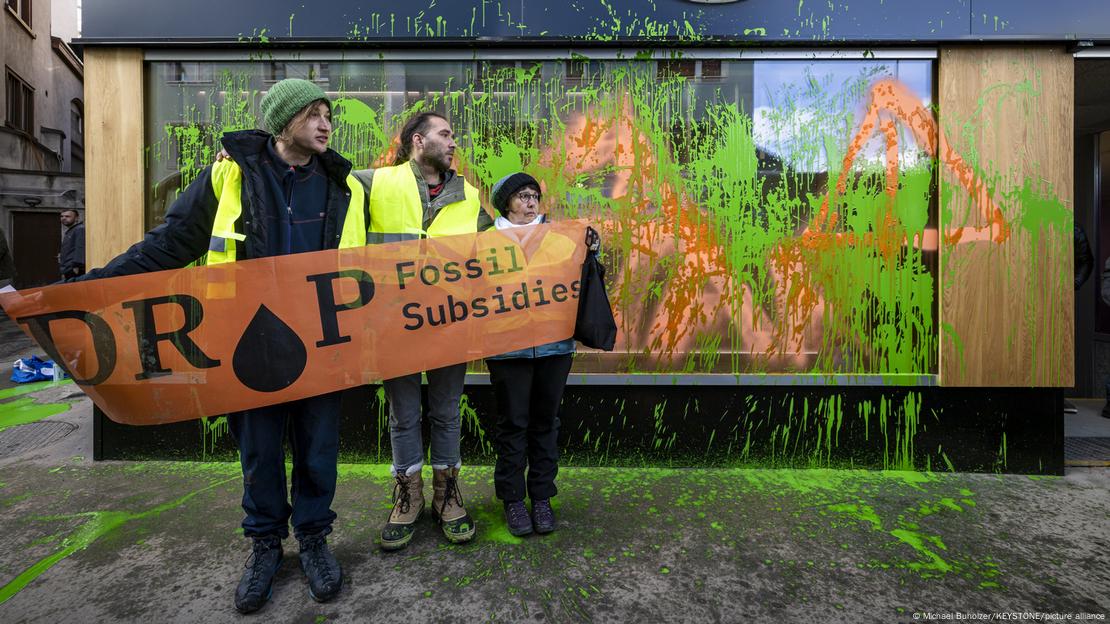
(445, 386)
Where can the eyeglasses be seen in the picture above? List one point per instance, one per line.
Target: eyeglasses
(528, 197)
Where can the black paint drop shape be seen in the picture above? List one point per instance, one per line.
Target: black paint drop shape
(270, 356)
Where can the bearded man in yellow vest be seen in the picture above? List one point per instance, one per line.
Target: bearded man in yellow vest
(282, 191)
(422, 196)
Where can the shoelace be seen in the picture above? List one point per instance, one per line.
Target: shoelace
(451, 491)
(518, 514)
(402, 495)
(255, 564)
(314, 546)
(543, 512)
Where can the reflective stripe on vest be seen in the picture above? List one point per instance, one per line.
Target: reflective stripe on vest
(227, 182)
(396, 208)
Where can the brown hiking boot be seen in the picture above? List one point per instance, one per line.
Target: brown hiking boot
(408, 506)
(447, 506)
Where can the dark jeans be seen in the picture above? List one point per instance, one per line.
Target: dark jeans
(260, 433)
(528, 393)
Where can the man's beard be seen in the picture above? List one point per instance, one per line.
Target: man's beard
(439, 159)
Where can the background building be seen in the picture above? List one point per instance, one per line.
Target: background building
(42, 158)
(838, 233)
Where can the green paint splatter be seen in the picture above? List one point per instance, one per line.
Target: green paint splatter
(24, 411)
(97, 525)
(20, 390)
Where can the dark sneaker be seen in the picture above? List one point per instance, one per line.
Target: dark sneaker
(543, 516)
(325, 577)
(1106, 410)
(516, 516)
(257, 582)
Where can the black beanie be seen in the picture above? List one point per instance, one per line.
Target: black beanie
(504, 188)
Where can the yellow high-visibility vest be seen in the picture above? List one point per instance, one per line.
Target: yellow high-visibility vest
(227, 181)
(396, 208)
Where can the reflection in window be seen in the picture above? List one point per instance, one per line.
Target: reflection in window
(189, 73)
(313, 72)
(1102, 242)
(713, 181)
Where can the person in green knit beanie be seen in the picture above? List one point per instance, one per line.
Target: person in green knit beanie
(287, 98)
(277, 190)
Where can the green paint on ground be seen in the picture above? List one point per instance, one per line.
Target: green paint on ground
(24, 411)
(15, 391)
(97, 525)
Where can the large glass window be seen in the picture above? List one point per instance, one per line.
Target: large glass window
(758, 216)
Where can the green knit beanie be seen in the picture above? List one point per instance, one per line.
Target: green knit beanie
(285, 99)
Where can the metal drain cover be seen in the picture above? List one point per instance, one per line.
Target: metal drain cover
(1086, 451)
(23, 438)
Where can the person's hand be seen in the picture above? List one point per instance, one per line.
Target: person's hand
(593, 239)
(222, 155)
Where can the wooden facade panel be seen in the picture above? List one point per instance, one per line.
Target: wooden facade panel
(114, 171)
(1006, 294)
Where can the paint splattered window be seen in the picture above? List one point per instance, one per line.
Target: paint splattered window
(768, 216)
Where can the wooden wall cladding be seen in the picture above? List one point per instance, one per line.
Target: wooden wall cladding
(114, 142)
(1006, 154)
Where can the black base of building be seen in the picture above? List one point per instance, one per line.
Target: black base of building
(1014, 430)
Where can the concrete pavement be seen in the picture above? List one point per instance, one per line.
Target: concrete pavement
(159, 541)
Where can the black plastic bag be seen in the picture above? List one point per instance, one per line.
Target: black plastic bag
(595, 327)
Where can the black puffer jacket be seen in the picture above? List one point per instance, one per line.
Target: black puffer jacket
(184, 236)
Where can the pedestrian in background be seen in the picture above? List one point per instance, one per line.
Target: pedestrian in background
(71, 260)
(7, 265)
(1083, 265)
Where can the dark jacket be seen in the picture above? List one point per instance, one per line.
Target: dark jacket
(184, 236)
(1084, 261)
(7, 265)
(71, 259)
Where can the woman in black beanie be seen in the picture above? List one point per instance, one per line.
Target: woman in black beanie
(528, 385)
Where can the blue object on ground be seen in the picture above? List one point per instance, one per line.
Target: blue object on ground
(26, 370)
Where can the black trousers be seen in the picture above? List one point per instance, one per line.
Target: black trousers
(528, 393)
(260, 433)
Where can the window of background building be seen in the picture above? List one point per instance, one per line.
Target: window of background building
(21, 104)
(76, 123)
(21, 8)
(76, 136)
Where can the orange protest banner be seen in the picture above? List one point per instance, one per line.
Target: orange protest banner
(177, 345)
